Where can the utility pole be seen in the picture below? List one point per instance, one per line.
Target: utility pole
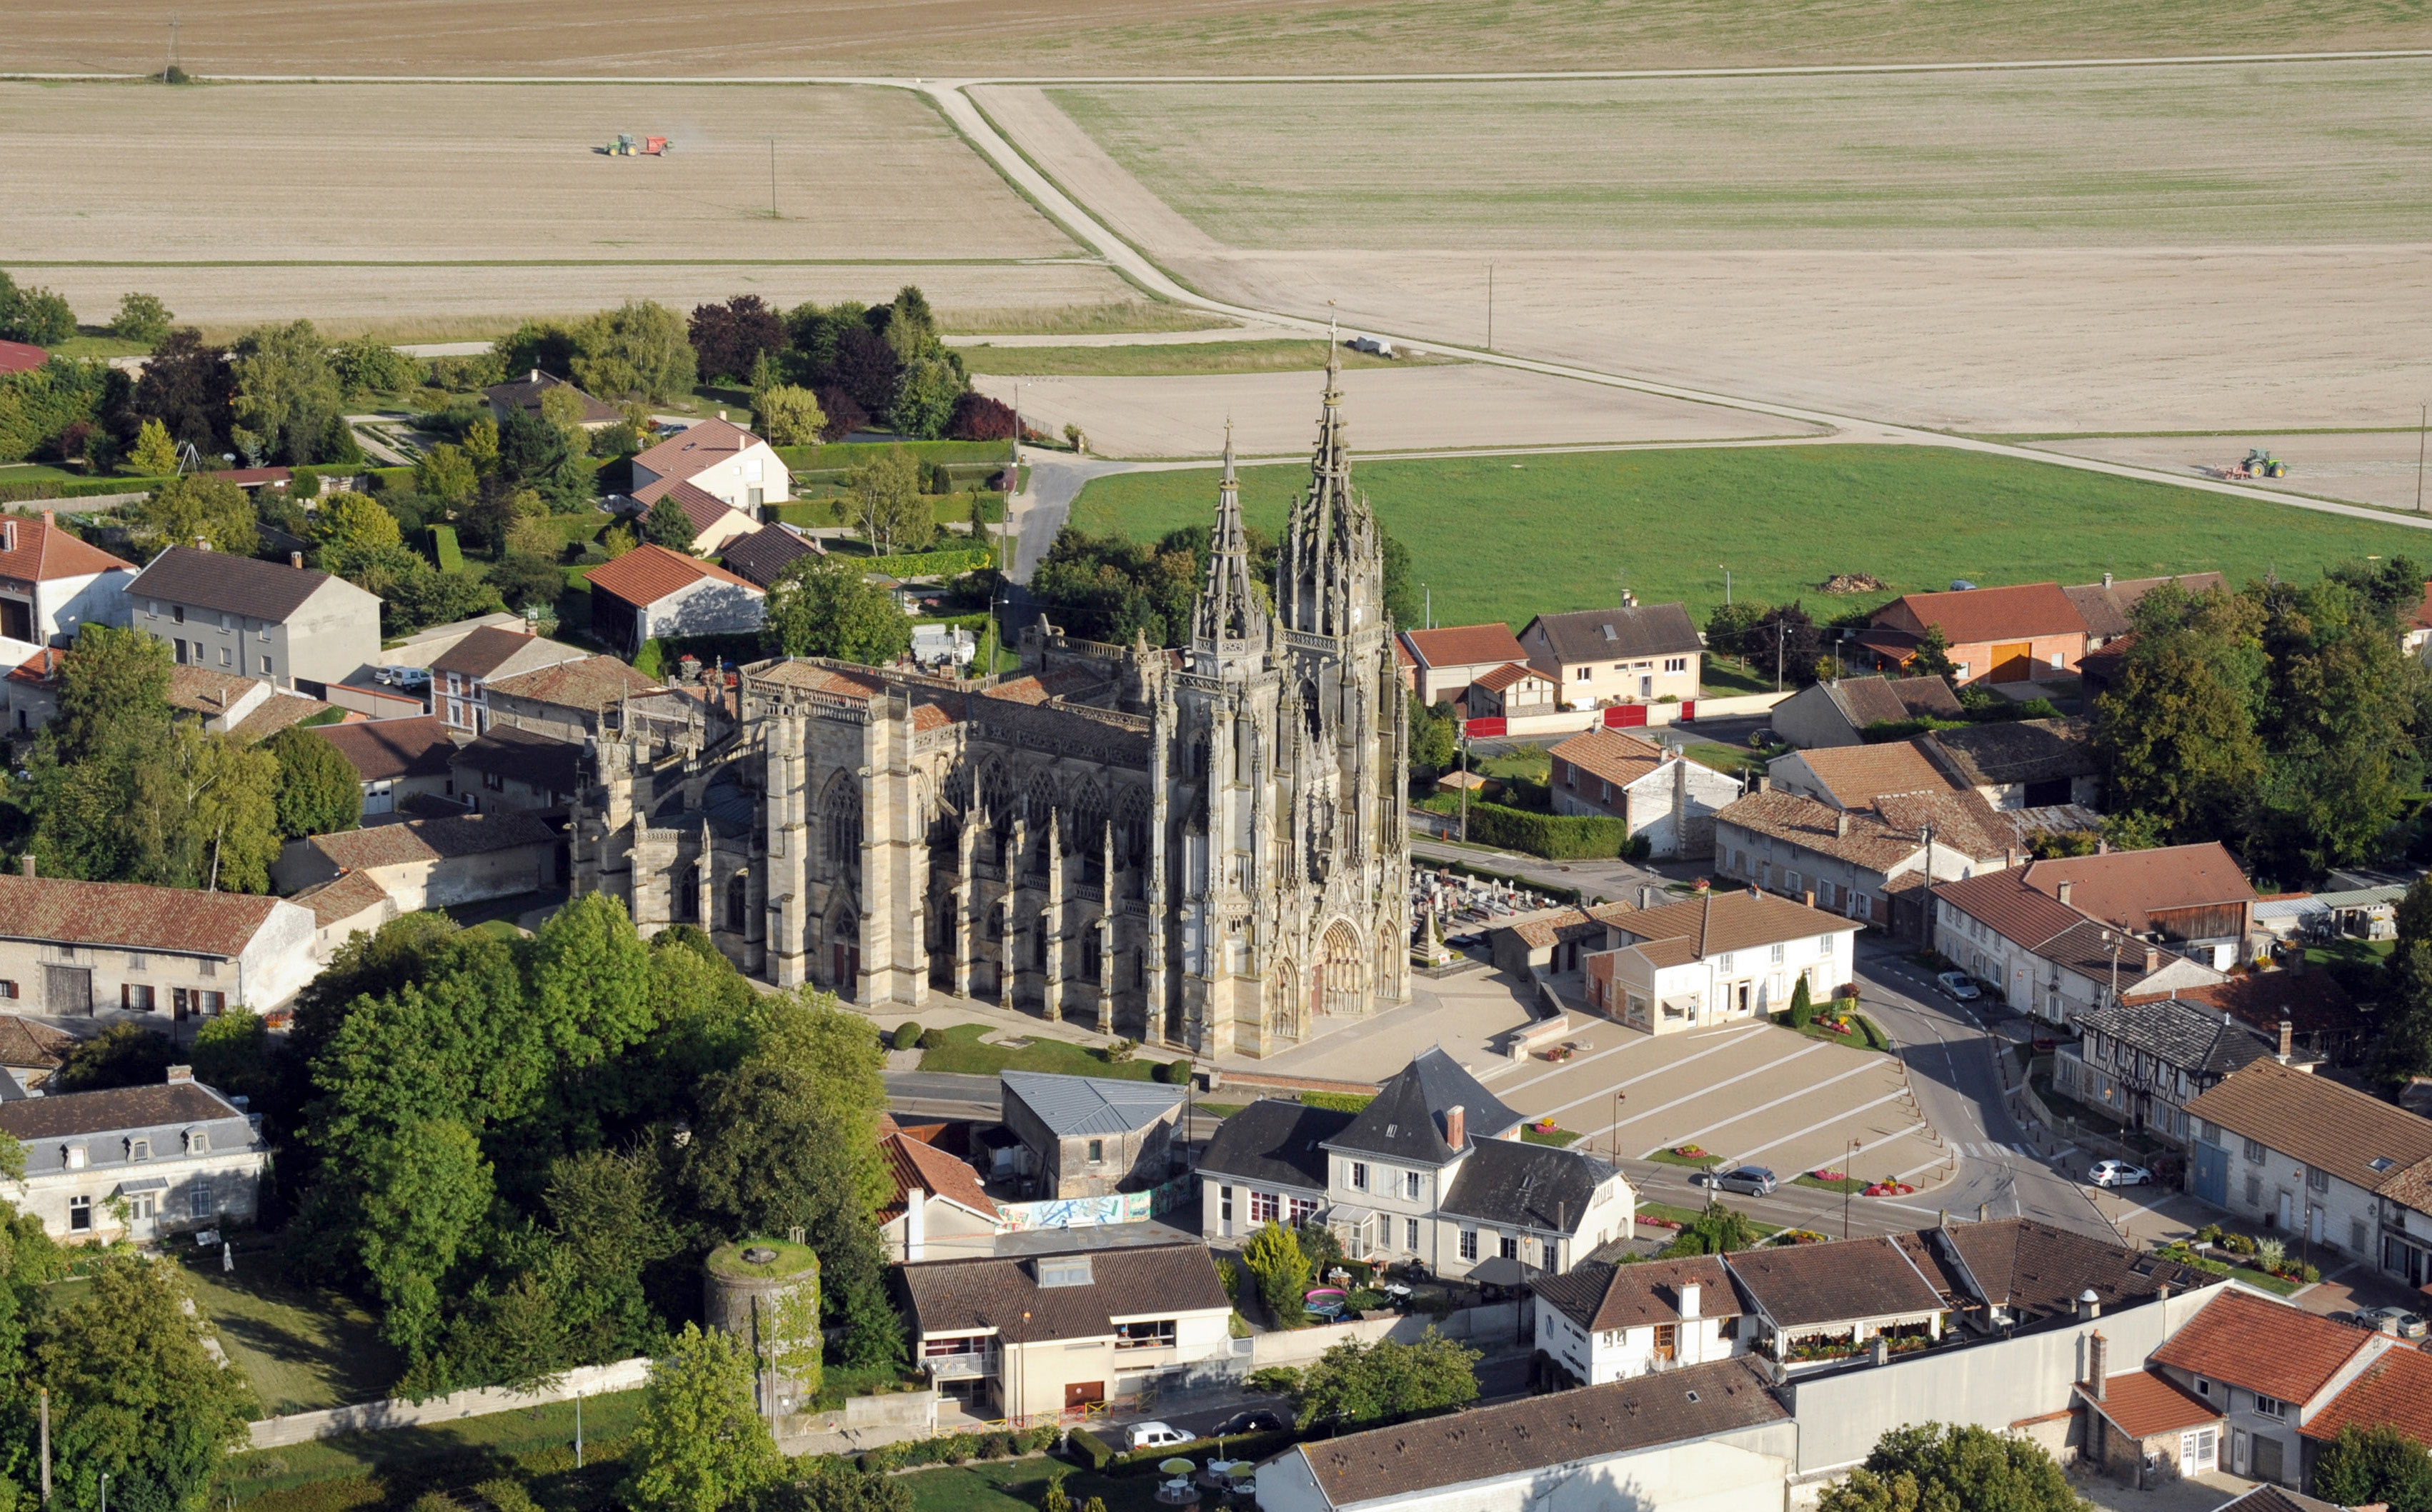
(1428, 618)
(2422, 414)
(772, 179)
(1490, 307)
(1780, 639)
(46, 1446)
(173, 48)
(578, 1429)
(1465, 785)
(1848, 1159)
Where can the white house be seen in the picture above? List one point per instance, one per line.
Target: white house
(1718, 957)
(289, 625)
(51, 584)
(940, 1209)
(107, 949)
(2057, 949)
(719, 459)
(1658, 794)
(1604, 1322)
(651, 592)
(136, 1163)
(1444, 660)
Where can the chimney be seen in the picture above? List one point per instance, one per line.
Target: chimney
(1756, 783)
(2098, 1364)
(2153, 959)
(1841, 824)
(295, 560)
(2288, 1032)
(202, 543)
(2063, 892)
(2106, 579)
(1645, 896)
(50, 517)
(1807, 896)
(2090, 1306)
(916, 1236)
(1878, 1350)
(1691, 1294)
(2225, 1019)
(2162, 1291)
(7, 535)
(26, 865)
(535, 376)
(1982, 1209)
(721, 414)
(1456, 1127)
(180, 1075)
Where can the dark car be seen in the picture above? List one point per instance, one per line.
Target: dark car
(1260, 1421)
(1753, 1179)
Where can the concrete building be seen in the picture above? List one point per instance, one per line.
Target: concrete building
(1603, 1322)
(1630, 654)
(1672, 801)
(290, 626)
(2308, 1158)
(461, 675)
(1717, 958)
(718, 459)
(1090, 1136)
(2270, 1371)
(136, 1163)
(651, 593)
(78, 949)
(53, 584)
(1445, 662)
(1059, 1333)
(434, 863)
(1840, 712)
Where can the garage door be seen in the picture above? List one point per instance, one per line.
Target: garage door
(2014, 662)
(67, 989)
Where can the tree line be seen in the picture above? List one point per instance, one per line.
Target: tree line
(848, 365)
(1113, 588)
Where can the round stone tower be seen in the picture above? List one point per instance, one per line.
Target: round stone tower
(766, 1294)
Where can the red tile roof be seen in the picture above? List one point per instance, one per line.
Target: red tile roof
(650, 573)
(912, 1163)
(2313, 1118)
(2269, 1347)
(2002, 902)
(701, 508)
(130, 915)
(2312, 1001)
(1465, 645)
(43, 552)
(1852, 776)
(38, 669)
(472, 834)
(2146, 1402)
(689, 453)
(1975, 616)
(1503, 677)
(591, 682)
(1618, 758)
(1722, 921)
(2127, 887)
(2394, 1391)
(342, 896)
(21, 357)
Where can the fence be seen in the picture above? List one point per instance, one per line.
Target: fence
(373, 1416)
(1093, 1212)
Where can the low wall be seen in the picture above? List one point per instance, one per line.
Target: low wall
(1746, 703)
(374, 1416)
(896, 1409)
(1496, 1323)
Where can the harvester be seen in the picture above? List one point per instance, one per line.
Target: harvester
(629, 146)
(2258, 463)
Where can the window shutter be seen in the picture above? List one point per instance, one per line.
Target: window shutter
(126, 996)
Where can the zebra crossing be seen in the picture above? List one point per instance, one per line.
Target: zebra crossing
(1988, 1151)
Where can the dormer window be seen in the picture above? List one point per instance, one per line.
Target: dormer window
(139, 1150)
(75, 1155)
(198, 1142)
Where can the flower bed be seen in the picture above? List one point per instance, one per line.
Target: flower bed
(1890, 1187)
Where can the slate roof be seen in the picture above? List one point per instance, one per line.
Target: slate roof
(2312, 1118)
(650, 572)
(2146, 1402)
(2036, 1269)
(524, 393)
(2312, 1001)
(342, 896)
(1275, 1142)
(1720, 921)
(762, 556)
(131, 915)
(1865, 702)
(63, 1114)
(2105, 607)
(2394, 1391)
(964, 1296)
(2182, 1034)
(232, 584)
(1074, 1105)
(1524, 1185)
(1616, 758)
(1975, 616)
(593, 682)
(1465, 645)
(1600, 1296)
(2128, 887)
(520, 756)
(44, 554)
(1612, 634)
(1806, 1283)
(471, 835)
(2270, 1347)
(1536, 1434)
(2016, 750)
(30, 1046)
(1407, 1119)
(1852, 776)
(387, 750)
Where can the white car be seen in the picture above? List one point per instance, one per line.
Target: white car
(1154, 1436)
(2117, 1173)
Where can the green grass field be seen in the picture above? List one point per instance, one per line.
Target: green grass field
(1020, 1485)
(1168, 361)
(302, 1348)
(965, 1053)
(1500, 538)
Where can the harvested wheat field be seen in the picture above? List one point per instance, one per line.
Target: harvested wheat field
(403, 173)
(1410, 410)
(2380, 468)
(1066, 37)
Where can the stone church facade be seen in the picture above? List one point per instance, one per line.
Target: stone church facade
(1202, 847)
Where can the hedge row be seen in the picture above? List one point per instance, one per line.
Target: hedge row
(446, 554)
(81, 487)
(930, 563)
(952, 1449)
(1555, 837)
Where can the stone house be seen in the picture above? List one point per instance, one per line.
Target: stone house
(2270, 1373)
(572, 700)
(2022, 764)
(1671, 801)
(1090, 1135)
(1839, 712)
(2108, 607)
(75, 950)
(2059, 951)
(347, 905)
(460, 676)
(397, 761)
(1868, 862)
(434, 862)
(2016, 634)
(289, 625)
(1632, 653)
(1720, 957)
(2146, 1429)
(509, 770)
(139, 1163)
(1603, 1322)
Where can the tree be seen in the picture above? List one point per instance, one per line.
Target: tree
(1729, 628)
(535, 454)
(123, 1054)
(788, 416)
(729, 340)
(189, 387)
(536, 345)
(355, 522)
(2377, 1464)
(1932, 658)
(667, 525)
(834, 1485)
(135, 1394)
(926, 393)
(1802, 1007)
(1434, 744)
(220, 795)
(446, 473)
(824, 606)
(1273, 1259)
(589, 975)
(140, 317)
(193, 507)
(866, 369)
(526, 581)
(1715, 1230)
(37, 317)
(1785, 636)
(701, 1445)
(638, 350)
(155, 454)
(369, 366)
(887, 494)
(319, 791)
(1948, 1467)
(1357, 1384)
(424, 1188)
(233, 1053)
(977, 417)
(288, 396)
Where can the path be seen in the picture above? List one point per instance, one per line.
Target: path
(1056, 480)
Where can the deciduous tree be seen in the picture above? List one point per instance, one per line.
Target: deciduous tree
(446, 473)
(701, 1445)
(1357, 1384)
(639, 350)
(823, 606)
(155, 454)
(886, 496)
(729, 340)
(140, 317)
(788, 416)
(1947, 1467)
(319, 791)
(288, 396)
(2379, 1464)
(193, 507)
(189, 387)
(355, 523)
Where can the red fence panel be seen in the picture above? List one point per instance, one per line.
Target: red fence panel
(1488, 728)
(1688, 711)
(1625, 716)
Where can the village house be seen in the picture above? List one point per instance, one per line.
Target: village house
(936, 1209)
(1818, 1304)
(571, 701)
(1849, 777)
(1630, 654)
(1869, 863)
(460, 676)
(1602, 1322)
(53, 584)
(1064, 1331)
(1839, 712)
(1512, 691)
(343, 907)
(1090, 1136)
(2016, 634)
(135, 1163)
(2325, 1024)
(2270, 1371)
(434, 863)
(718, 459)
(762, 557)
(1431, 1170)
(2020, 763)
(1721, 956)
(1658, 794)
(2195, 898)
(2145, 1059)
(397, 761)
(510, 770)
(2144, 1428)
(2310, 1158)
(1445, 662)
(2019, 1272)
(2109, 607)
(1551, 940)
(714, 524)
(75, 950)
(651, 592)
(525, 393)
(289, 625)
(29, 1053)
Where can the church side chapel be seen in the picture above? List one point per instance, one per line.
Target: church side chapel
(1202, 847)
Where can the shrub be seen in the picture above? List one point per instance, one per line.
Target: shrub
(1178, 1071)
(2210, 1233)
(2272, 1253)
(1092, 1448)
(506, 1495)
(1228, 1275)
(977, 417)
(2238, 1243)
(907, 1036)
(932, 1039)
(1551, 836)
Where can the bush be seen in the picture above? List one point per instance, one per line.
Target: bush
(932, 1039)
(1092, 1448)
(977, 417)
(1551, 836)
(1178, 1071)
(2238, 1243)
(907, 1036)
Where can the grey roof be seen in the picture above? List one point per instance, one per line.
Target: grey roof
(231, 584)
(763, 555)
(2107, 606)
(518, 755)
(525, 393)
(1071, 1105)
(1809, 1284)
(1407, 1119)
(2358, 897)
(1525, 1185)
(1608, 634)
(2181, 1034)
(2016, 750)
(1279, 1143)
(1889, 700)
(963, 1296)
(64, 1115)
(2271, 1498)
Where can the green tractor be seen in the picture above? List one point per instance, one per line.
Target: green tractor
(2261, 463)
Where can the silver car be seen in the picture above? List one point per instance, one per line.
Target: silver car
(1958, 984)
(2396, 1321)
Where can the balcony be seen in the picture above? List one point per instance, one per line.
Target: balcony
(967, 1365)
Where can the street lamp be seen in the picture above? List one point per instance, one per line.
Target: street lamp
(1848, 1162)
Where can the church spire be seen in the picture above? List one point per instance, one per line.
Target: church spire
(1329, 574)
(1227, 620)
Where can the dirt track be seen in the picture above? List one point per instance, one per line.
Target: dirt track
(2379, 469)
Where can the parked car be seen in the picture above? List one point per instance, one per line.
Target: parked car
(1155, 1434)
(1260, 1421)
(2396, 1321)
(1753, 1179)
(2117, 1173)
(1959, 985)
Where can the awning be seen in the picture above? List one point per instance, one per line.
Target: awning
(149, 1184)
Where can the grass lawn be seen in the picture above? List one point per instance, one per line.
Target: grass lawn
(533, 1445)
(2351, 952)
(302, 1348)
(91, 342)
(1529, 762)
(1008, 1485)
(1847, 1184)
(1723, 679)
(964, 1053)
(1559, 1138)
(1167, 361)
(1870, 1036)
(1494, 542)
(1738, 761)
(1690, 1215)
(1080, 320)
